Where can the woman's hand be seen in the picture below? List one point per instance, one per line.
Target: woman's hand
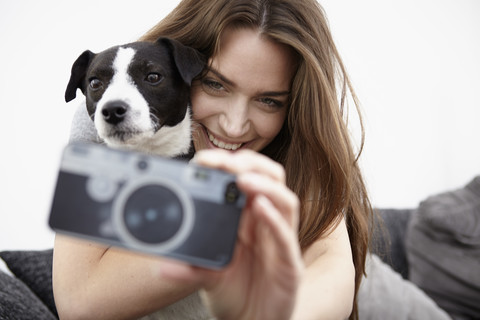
(262, 280)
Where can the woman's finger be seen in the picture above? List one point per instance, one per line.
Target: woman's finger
(282, 198)
(241, 161)
(283, 234)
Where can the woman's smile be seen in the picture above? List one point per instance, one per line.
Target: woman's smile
(221, 144)
(203, 134)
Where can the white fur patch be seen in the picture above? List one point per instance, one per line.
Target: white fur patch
(123, 88)
(167, 142)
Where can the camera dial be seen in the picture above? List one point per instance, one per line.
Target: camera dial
(101, 188)
(153, 214)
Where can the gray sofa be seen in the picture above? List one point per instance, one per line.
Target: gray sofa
(410, 272)
(435, 250)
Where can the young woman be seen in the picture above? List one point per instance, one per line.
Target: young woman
(270, 108)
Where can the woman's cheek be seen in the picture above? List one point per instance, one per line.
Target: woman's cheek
(268, 125)
(202, 107)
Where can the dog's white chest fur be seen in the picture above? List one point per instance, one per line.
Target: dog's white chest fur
(137, 131)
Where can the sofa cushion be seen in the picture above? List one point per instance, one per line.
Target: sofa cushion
(443, 248)
(18, 302)
(384, 294)
(34, 268)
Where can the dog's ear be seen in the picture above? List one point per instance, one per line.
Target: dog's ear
(77, 76)
(190, 62)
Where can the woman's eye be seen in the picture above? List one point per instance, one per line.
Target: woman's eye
(271, 102)
(212, 84)
(154, 78)
(95, 84)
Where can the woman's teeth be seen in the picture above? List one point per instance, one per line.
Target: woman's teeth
(223, 145)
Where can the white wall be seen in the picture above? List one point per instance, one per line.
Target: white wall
(414, 63)
(416, 68)
(39, 42)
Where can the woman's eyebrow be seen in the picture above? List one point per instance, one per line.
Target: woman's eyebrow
(221, 76)
(231, 83)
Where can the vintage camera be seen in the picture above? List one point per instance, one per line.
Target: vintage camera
(154, 205)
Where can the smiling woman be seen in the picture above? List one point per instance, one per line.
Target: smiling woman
(266, 109)
(242, 100)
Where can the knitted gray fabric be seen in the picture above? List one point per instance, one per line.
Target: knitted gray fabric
(83, 129)
(34, 269)
(19, 303)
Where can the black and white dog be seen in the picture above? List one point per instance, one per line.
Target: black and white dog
(138, 94)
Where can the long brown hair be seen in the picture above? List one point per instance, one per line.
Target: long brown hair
(314, 144)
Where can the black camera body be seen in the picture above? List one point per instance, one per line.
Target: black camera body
(147, 203)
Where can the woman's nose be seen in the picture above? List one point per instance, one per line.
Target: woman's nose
(234, 120)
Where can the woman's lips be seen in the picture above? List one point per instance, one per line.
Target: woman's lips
(222, 144)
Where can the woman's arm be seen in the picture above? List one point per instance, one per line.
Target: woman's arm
(91, 281)
(268, 277)
(328, 284)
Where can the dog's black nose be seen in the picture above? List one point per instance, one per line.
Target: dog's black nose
(114, 112)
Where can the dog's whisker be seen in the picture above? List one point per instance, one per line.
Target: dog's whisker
(155, 121)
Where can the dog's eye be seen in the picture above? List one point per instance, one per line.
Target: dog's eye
(95, 84)
(154, 78)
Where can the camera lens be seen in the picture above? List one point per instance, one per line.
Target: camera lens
(153, 214)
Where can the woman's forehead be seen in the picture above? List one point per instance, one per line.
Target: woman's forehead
(245, 53)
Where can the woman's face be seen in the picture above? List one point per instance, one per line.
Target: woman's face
(242, 101)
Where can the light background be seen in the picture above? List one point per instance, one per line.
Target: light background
(414, 63)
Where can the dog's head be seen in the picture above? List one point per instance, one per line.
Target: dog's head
(138, 94)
